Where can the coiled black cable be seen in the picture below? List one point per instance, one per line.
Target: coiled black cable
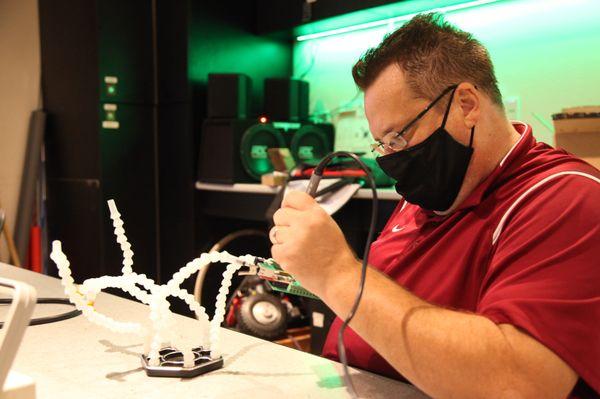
(311, 190)
(48, 319)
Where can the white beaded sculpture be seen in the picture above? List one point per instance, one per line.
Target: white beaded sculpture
(160, 329)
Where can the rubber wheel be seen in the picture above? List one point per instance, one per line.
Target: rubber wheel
(263, 316)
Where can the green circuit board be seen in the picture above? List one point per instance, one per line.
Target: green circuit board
(280, 280)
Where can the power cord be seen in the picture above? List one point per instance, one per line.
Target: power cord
(48, 319)
(312, 190)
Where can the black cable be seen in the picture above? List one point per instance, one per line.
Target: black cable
(312, 189)
(335, 186)
(48, 319)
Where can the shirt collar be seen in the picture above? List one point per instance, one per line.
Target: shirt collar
(521, 147)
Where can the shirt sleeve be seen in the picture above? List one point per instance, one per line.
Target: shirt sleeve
(544, 273)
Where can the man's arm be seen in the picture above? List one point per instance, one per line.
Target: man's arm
(445, 353)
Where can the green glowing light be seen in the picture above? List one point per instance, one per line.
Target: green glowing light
(328, 376)
(542, 57)
(111, 90)
(286, 125)
(219, 47)
(393, 20)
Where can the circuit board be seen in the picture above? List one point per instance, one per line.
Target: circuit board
(278, 279)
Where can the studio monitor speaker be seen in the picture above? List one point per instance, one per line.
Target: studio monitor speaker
(229, 95)
(286, 99)
(235, 150)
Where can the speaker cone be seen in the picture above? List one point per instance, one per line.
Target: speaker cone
(310, 144)
(257, 139)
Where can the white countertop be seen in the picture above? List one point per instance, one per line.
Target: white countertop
(76, 359)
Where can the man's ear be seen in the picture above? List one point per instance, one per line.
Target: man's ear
(468, 98)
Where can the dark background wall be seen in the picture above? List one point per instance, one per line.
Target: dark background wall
(223, 38)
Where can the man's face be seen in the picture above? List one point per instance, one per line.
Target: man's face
(390, 105)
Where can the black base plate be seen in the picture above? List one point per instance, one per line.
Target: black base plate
(171, 364)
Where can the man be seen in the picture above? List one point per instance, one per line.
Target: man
(485, 282)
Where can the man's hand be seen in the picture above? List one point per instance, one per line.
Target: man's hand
(308, 243)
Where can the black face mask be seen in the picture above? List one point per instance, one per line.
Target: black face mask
(430, 174)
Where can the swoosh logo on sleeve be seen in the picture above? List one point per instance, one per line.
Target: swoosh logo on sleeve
(397, 228)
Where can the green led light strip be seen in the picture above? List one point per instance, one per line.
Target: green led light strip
(392, 20)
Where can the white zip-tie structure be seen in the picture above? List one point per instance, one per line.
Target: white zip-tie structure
(160, 329)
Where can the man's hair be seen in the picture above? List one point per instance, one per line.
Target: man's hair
(434, 55)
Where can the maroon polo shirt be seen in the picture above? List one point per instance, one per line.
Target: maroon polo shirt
(522, 249)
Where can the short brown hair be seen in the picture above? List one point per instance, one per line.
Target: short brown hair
(434, 55)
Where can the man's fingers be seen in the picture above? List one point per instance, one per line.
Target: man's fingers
(279, 235)
(278, 253)
(286, 216)
(298, 200)
(273, 235)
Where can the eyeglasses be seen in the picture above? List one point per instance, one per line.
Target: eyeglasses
(395, 141)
